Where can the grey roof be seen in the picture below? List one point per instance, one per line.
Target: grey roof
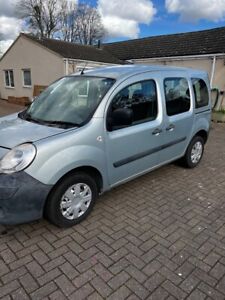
(76, 51)
(192, 43)
(120, 72)
(203, 42)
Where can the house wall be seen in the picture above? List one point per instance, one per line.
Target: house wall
(202, 64)
(45, 67)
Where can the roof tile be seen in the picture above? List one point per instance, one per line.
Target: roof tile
(192, 43)
(76, 51)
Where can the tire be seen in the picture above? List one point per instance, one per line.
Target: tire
(191, 159)
(72, 200)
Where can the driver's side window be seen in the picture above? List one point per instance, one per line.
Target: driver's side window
(138, 101)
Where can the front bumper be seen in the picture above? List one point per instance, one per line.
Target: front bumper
(22, 198)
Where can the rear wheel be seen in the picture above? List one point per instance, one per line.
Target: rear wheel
(194, 152)
(71, 200)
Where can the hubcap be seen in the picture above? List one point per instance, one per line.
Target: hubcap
(196, 152)
(76, 200)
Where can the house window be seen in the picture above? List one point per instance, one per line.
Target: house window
(177, 96)
(9, 78)
(27, 77)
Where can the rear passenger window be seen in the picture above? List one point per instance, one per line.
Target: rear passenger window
(177, 96)
(141, 97)
(201, 92)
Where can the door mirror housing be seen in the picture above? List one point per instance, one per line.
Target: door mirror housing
(120, 117)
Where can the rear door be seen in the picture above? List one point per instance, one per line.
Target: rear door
(179, 117)
(134, 149)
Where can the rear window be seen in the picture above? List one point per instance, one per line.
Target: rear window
(177, 95)
(201, 92)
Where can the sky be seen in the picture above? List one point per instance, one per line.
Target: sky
(131, 19)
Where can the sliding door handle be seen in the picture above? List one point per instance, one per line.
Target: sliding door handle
(157, 131)
(170, 127)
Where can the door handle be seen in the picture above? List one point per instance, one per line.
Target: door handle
(157, 131)
(170, 127)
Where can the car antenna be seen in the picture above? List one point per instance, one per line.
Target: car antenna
(82, 71)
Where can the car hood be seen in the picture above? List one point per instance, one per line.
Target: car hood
(15, 131)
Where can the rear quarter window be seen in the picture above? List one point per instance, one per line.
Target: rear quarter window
(177, 95)
(201, 92)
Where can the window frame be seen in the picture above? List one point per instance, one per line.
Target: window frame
(139, 123)
(164, 91)
(25, 85)
(195, 96)
(10, 86)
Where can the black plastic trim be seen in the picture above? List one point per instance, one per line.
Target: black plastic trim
(6, 148)
(202, 111)
(22, 198)
(146, 153)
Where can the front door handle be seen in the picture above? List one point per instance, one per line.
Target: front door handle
(157, 131)
(170, 127)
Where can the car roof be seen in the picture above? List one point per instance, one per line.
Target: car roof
(119, 72)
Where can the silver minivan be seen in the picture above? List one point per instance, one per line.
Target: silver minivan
(91, 131)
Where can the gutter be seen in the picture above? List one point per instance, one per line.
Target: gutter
(86, 62)
(181, 57)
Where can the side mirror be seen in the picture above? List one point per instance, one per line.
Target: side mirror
(121, 117)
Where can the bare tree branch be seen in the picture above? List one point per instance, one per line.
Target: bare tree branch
(68, 21)
(40, 16)
(89, 25)
(62, 18)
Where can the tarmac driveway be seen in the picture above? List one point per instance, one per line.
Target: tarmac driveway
(161, 236)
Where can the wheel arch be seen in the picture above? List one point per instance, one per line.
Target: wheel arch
(92, 171)
(84, 169)
(202, 133)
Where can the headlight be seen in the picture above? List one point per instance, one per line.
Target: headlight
(17, 159)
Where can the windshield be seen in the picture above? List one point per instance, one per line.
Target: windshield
(70, 101)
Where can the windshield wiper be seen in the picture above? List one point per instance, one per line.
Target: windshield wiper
(27, 117)
(63, 124)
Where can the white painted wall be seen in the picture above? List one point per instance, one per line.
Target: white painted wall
(45, 66)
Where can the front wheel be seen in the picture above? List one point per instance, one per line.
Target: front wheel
(71, 200)
(194, 152)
